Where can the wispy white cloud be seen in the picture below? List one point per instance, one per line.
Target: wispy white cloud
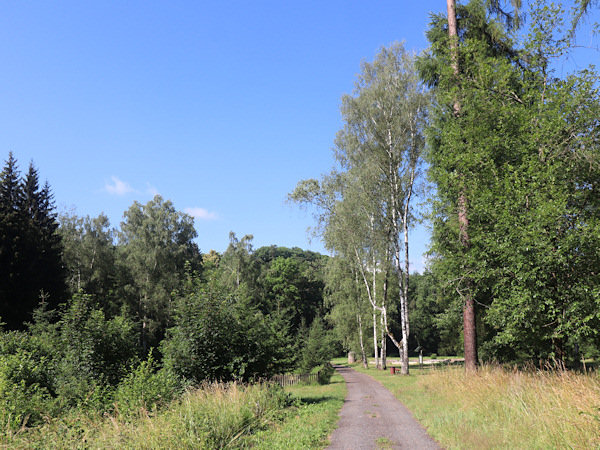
(117, 187)
(201, 213)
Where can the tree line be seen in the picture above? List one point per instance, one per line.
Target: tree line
(90, 313)
(503, 152)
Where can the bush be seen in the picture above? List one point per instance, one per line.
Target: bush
(325, 373)
(319, 347)
(199, 346)
(93, 353)
(22, 399)
(146, 389)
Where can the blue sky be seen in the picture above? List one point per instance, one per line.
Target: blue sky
(221, 107)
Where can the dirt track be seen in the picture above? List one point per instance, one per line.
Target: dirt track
(373, 418)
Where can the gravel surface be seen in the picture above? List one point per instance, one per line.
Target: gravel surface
(373, 418)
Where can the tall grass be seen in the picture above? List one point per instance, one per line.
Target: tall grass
(500, 408)
(215, 415)
(310, 422)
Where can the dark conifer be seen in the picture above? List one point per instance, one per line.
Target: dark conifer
(11, 251)
(30, 247)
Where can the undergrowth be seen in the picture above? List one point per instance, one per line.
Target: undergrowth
(216, 415)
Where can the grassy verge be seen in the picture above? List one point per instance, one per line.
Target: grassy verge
(215, 416)
(308, 424)
(499, 408)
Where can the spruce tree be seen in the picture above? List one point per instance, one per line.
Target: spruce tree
(30, 248)
(11, 255)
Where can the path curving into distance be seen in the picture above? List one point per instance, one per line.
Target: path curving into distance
(373, 418)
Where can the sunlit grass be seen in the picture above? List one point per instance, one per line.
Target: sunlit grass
(310, 424)
(213, 416)
(500, 408)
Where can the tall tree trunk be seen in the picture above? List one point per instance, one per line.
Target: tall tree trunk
(143, 301)
(384, 324)
(375, 339)
(360, 326)
(363, 355)
(469, 328)
(383, 352)
(405, 278)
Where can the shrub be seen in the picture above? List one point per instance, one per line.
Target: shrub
(199, 346)
(146, 389)
(325, 373)
(93, 353)
(22, 399)
(319, 346)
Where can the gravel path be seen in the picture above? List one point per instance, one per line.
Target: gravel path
(373, 418)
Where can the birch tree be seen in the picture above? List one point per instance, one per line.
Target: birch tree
(89, 254)
(379, 153)
(156, 242)
(348, 309)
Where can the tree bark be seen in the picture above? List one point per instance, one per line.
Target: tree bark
(383, 352)
(405, 280)
(360, 326)
(469, 321)
(375, 340)
(470, 334)
(363, 355)
(469, 328)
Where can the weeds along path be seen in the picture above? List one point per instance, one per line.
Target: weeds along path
(373, 418)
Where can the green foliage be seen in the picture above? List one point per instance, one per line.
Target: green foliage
(325, 373)
(30, 247)
(26, 381)
(20, 405)
(425, 305)
(345, 298)
(146, 389)
(523, 152)
(265, 344)
(90, 257)
(93, 350)
(77, 358)
(290, 291)
(216, 338)
(239, 270)
(318, 347)
(24, 397)
(266, 297)
(155, 244)
(199, 347)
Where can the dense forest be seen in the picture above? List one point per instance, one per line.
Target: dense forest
(479, 136)
(87, 308)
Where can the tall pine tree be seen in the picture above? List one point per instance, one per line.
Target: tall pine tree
(30, 248)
